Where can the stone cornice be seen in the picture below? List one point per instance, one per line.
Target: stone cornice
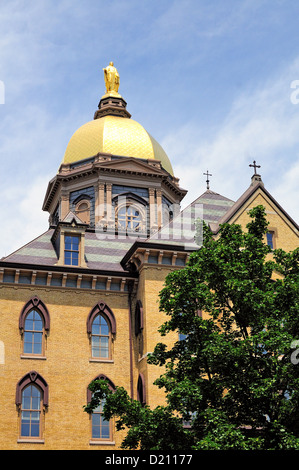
(81, 278)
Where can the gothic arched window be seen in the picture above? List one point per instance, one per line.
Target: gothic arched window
(33, 334)
(31, 397)
(100, 338)
(34, 324)
(101, 327)
(101, 429)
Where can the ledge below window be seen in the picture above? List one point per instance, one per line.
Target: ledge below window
(30, 441)
(40, 358)
(94, 359)
(101, 443)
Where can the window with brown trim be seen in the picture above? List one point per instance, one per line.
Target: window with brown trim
(31, 412)
(101, 429)
(34, 324)
(101, 329)
(31, 400)
(100, 338)
(33, 338)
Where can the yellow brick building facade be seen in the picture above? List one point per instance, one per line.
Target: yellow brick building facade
(81, 300)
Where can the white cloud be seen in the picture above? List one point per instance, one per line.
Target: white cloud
(22, 208)
(262, 125)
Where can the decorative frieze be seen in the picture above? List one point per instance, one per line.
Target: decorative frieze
(66, 280)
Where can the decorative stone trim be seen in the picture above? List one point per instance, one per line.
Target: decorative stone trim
(101, 308)
(35, 304)
(32, 377)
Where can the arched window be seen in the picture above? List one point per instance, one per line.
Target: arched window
(101, 328)
(141, 393)
(129, 218)
(101, 429)
(34, 324)
(82, 210)
(138, 317)
(31, 412)
(33, 334)
(130, 213)
(31, 398)
(100, 338)
(139, 326)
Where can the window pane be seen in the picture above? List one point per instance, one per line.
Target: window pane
(105, 432)
(37, 349)
(26, 401)
(270, 239)
(25, 429)
(96, 327)
(75, 259)
(29, 324)
(35, 403)
(68, 242)
(67, 257)
(96, 432)
(104, 347)
(38, 323)
(30, 416)
(75, 243)
(35, 430)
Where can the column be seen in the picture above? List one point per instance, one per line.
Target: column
(159, 207)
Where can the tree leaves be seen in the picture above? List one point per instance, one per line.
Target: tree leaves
(231, 375)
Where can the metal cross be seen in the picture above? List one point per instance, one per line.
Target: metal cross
(208, 181)
(255, 166)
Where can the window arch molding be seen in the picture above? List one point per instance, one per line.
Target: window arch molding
(82, 197)
(35, 304)
(101, 308)
(32, 378)
(100, 377)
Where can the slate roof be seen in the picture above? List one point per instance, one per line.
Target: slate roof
(210, 207)
(104, 252)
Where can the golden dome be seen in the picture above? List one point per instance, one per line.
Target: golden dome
(117, 135)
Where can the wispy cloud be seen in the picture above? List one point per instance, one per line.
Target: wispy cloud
(263, 125)
(209, 80)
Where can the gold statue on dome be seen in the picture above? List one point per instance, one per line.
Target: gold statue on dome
(111, 76)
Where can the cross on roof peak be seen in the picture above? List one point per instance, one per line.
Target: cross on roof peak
(255, 166)
(208, 181)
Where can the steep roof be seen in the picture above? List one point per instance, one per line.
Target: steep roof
(210, 207)
(257, 186)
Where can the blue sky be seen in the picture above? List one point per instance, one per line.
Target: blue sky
(209, 79)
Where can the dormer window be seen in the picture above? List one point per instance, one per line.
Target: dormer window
(71, 250)
(68, 239)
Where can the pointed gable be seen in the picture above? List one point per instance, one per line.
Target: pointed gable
(284, 228)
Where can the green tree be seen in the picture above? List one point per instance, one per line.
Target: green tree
(232, 377)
